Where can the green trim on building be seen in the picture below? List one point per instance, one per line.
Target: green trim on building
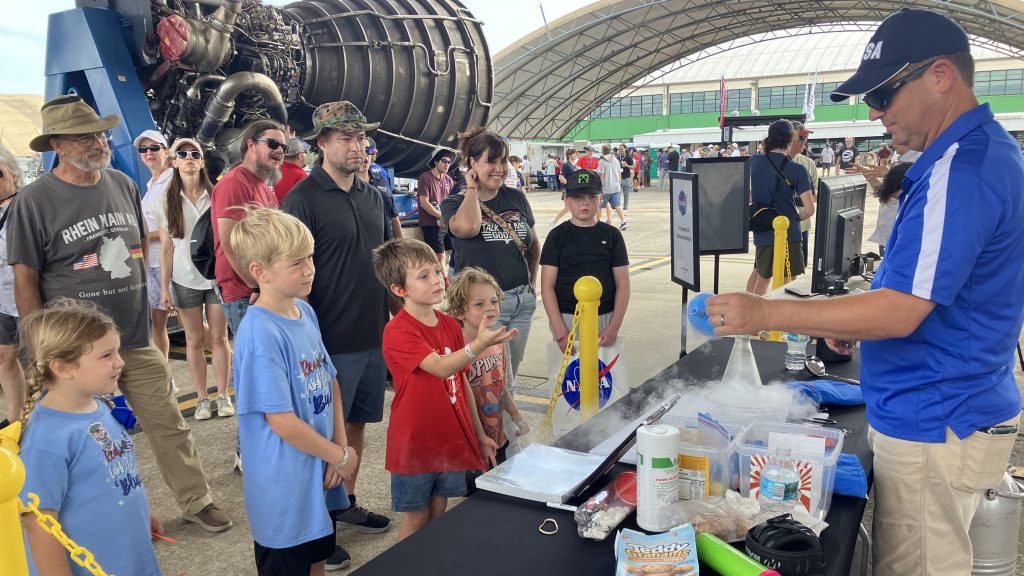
(623, 129)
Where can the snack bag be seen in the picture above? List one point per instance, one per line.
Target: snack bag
(673, 553)
(604, 511)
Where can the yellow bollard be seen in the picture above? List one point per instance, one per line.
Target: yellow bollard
(12, 478)
(588, 292)
(779, 277)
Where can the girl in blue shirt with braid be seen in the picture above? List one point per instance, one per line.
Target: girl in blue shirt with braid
(79, 460)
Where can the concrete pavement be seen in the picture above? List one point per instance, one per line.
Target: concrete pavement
(651, 332)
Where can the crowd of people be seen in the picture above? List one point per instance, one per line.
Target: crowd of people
(324, 297)
(316, 331)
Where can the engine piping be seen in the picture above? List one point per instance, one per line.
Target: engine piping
(222, 103)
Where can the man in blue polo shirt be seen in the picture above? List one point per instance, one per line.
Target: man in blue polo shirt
(946, 307)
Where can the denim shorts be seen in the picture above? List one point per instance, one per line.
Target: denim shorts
(153, 291)
(612, 199)
(412, 492)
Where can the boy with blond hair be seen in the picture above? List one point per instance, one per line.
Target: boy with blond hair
(434, 434)
(290, 422)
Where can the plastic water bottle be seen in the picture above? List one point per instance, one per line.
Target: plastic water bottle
(796, 350)
(780, 483)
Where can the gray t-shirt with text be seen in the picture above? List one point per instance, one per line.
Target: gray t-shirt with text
(86, 243)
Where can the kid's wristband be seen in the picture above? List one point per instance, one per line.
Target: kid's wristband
(344, 459)
(469, 352)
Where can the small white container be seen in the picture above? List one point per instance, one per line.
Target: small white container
(657, 448)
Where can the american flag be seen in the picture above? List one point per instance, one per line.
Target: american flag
(85, 262)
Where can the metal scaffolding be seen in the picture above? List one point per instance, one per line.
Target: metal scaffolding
(551, 80)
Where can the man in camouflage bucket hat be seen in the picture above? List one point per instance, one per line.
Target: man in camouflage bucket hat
(342, 116)
(346, 217)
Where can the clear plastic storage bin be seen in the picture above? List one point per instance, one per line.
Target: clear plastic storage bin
(815, 452)
(704, 470)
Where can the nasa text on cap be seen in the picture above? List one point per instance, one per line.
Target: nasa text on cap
(905, 37)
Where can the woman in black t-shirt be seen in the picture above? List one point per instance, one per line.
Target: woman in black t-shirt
(491, 226)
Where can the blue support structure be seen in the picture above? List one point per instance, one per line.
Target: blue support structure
(87, 54)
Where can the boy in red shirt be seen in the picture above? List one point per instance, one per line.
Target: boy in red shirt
(434, 434)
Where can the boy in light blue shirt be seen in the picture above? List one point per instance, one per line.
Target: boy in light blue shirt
(290, 420)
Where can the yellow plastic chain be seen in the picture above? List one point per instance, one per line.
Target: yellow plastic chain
(51, 526)
(789, 272)
(556, 386)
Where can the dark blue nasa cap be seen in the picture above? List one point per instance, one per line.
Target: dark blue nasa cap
(905, 37)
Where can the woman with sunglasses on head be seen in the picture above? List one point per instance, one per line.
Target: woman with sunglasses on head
(182, 286)
(12, 379)
(152, 148)
(491, 226)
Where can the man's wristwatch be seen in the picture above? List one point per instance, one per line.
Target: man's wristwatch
(339, 466)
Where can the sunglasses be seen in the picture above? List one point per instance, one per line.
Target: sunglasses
(445, 161)
(880, 98)
(150, 148)
(271, 143)
(371, 151)
(88, 139)
(188, 155)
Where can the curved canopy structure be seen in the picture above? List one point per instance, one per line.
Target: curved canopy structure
(549, 81)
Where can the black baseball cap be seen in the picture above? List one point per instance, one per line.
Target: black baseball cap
(583, 182)
(904, 37)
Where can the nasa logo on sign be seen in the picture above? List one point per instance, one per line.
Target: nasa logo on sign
(570, 385)
(682, 203)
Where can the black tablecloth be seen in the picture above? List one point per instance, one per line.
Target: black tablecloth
(497, 535)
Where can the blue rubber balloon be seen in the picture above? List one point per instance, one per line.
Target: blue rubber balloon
(698, 315)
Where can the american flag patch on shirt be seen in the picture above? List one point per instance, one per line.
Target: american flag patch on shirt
(85, 262)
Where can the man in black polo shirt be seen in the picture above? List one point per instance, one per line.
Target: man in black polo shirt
(345, 216)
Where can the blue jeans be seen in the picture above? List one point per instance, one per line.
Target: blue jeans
(234, 312)
(627, 187)
(517, 312)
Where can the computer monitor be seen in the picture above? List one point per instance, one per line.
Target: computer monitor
(838, 232)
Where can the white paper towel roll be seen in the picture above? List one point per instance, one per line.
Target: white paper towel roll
(657, 448)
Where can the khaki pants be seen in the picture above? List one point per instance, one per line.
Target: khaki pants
(146, 384)
(925, 498)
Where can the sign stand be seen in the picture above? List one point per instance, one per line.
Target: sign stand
(684, 210)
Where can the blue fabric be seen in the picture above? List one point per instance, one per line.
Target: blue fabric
(83, 466)
(767, 188)
(850, 477)
(412, 492)
(281, 365)
(123, 413)
(957, 241)
(830, 392)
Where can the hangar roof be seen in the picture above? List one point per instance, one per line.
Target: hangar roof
(551, 79)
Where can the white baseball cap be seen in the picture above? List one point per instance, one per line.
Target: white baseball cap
(152, 135)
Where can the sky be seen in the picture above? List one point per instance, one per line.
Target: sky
(23, 32)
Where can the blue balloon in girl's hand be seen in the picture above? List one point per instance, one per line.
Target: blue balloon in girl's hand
(698, 316)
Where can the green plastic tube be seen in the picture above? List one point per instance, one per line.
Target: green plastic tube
(726, 560)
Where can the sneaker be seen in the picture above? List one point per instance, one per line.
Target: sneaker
(203, 410)
(224, 407)
(623, 225)
(238, 464)
(362, 520)
(211, 519)
(340, 559)
(174, 387)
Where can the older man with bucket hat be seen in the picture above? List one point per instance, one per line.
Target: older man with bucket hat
(946, 306)
(345, 215)
(79, 232)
